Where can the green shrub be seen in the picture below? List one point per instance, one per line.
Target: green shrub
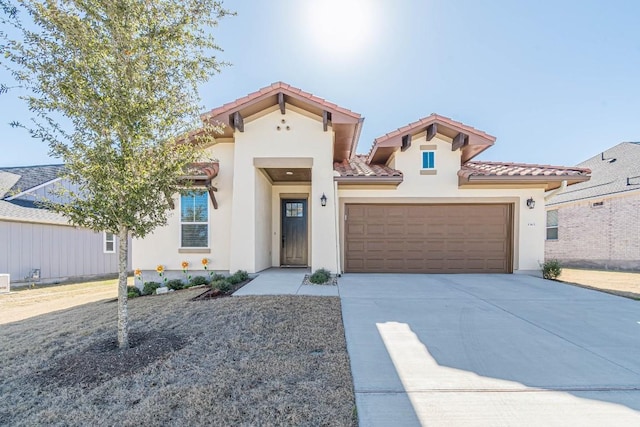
(217, 276)
(198, 280)
(320, 276)
(175, 284)
(133, 292)
(233, 279)
(223, 285)
(551, 269)
(238, 277)
(242, 275)
(150, 288)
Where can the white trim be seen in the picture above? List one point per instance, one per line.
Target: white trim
(37, 187)
(105, 241)
(204, 191)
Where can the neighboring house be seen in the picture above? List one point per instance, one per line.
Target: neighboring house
(37, 244)
(596, 224)
(291, 191)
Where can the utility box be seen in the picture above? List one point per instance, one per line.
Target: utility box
(5, 283)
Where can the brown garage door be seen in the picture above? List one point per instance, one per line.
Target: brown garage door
(428, 238)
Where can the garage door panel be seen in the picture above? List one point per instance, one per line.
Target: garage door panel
(428, 238)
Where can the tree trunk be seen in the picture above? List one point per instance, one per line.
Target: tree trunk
(123, 322)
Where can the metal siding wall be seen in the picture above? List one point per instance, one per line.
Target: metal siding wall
(4, 247)
(58, 251)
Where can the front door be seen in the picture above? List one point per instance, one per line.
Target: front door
(294, 232)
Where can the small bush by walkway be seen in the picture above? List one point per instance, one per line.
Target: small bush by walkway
(232, 361)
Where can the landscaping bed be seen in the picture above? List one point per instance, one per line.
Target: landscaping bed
(278, 360)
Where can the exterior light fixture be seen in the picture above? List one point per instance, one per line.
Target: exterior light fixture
(289, 172)
(531, 203)
(323, 200)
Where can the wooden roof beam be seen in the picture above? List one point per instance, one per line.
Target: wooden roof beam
(237, 123)
(281, 102)
(459, 141)
(326, 118)
(432, 129)
(406, 142)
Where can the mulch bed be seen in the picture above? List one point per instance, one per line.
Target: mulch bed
(104, 361)
(216, 293)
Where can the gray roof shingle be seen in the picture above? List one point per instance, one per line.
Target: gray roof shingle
(608, 176)
(7, 181)
(30, 177)
(14, 212)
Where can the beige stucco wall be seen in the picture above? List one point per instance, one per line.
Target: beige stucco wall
(261, 139)
(245, 230)
(529, 224)
(263, 222)
(163, 245)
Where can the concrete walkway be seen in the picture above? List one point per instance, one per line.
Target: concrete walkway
(490, 350)
(284, 281)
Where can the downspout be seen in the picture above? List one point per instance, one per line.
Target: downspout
(336, 215)
(558, 190)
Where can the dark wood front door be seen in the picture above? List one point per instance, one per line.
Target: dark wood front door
(293, 249)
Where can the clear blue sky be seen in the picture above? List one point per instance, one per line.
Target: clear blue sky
(555, 81)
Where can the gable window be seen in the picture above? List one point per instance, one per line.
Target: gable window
(109, 246)
(194, 220)
(428, 160)
(552, 225)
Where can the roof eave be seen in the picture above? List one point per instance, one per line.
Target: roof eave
(356, 138)
(393, 180)
(549, 182)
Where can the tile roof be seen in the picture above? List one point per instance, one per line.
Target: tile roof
(31, 176)
(358, 167)
(428, 120)
(275, 88)
(480, 168)
(608, 176)
(15, 212)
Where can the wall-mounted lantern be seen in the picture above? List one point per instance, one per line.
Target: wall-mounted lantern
(531, 203)
(323, 200)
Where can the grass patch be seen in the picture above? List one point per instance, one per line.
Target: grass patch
(233, 361)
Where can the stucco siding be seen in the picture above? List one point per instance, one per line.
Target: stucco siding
(529, 224)
(263, 222)
(58, 251)
(606, 236)
(267, 137)
(162, 247)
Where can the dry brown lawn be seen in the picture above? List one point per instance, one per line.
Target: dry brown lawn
(24, 302)
(230, 361)
(619, 283)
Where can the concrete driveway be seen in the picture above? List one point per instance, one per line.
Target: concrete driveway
(490, 350)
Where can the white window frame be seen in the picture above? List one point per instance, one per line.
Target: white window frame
(196, 223)
(106, 240)
(557, 226)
